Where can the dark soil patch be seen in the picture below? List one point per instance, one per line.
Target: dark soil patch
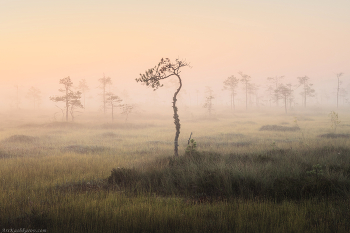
(245, 123)
(233, 144)
(263, 158)
(305, 119)
(109, 135)
(126, 126)
(249, 122)
(278, 128)
(232, 135)
(334, 135)
(29, 126)
(83, 186)
(221, 140)
(20, 139)
(219, 137)
(4, 155)
(198, 139)
(156, 143)
(84, 149)
(196, 120)
(58, 132)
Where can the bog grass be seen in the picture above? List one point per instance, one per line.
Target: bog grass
(114, 177)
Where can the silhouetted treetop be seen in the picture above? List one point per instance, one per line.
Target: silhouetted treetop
(163, 70)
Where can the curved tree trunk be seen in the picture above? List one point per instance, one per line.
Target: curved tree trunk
(176, 119)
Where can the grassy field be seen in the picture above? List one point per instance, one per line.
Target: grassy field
(249, 172)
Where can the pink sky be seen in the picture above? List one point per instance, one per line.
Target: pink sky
(43, 41)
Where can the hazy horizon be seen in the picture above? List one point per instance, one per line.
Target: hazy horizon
(43, 42)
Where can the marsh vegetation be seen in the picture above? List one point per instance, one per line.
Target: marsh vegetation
(253, 172)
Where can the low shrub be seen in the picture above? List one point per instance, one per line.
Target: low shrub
(84, 149)
(109, 135)
(278, 128)
(124, 177)
(62, 124)
(334, 135)
(20, 139)
(214, 176)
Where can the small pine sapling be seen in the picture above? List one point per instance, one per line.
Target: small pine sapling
(316, 172)
(126, 110)
(113, 101)
(208, 102)
(191, 147)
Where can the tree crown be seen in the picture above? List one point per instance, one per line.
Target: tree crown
(231, 83)
(163, 70)
(67, 83)
(245, 78)
(105, 81)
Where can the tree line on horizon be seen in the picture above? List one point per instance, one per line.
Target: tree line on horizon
(276, 91)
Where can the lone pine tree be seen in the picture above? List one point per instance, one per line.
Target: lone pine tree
(209, 100)
(246, 80)
(105, 81)
(275, 81)
(69, 97)
(231, 84)
(164, 70)
(83, 87)
(283, 92)
(307, 88)
(113, 101)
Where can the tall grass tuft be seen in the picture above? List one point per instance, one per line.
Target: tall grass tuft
(206, 175)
